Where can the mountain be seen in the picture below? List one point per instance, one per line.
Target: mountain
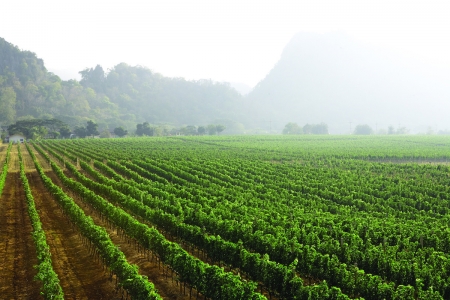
(147, 96)
(334, 79)
(124, 96)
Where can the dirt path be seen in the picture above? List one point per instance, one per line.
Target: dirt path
(42, 161)
(17, 250)
(166, 288)
(80, 275)
(13, 164)
(27, 160)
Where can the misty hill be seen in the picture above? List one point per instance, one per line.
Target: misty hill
(333, 79)
(124, 96)
(142, 95)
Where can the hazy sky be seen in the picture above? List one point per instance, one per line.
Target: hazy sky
(235, 41)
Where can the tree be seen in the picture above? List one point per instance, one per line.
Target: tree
(144, 129)
(91, 128)
(54, 134)
(201, 130)
(189, 130)
(212, 129)
(120, 131)
(7, 105)
(363, 129)
(220, 128)
(292, 128)
(93, 78)
(65, 131)
(321, 128)
(105, 134)
(81, 131)
(307, 129)
(35, 128)
(38, 132)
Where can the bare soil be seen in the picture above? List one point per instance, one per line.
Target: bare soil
(27, 160)
(13, 163)
(17, 249)
(81, 276)
(42, 161)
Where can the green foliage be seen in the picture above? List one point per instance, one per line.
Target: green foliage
(80, 131)
(4, 170)
(136, 285)
(292, 128)
(212, 129)
(120, 98)
(120, 131)
(211, 281)
(92, 128)
(144, 129)
(220, 128)
(7, 105)
(201, 130)
(65, 132)
(188, 130)
(36, 128)
(105, 134)
(361, 216)
(51, 289)
(321, 128)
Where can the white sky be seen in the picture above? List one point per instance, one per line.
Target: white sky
(235, 41)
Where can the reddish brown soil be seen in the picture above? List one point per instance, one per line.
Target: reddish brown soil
(81, 276)
(17, 250)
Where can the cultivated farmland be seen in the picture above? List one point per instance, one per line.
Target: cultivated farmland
(274, 217)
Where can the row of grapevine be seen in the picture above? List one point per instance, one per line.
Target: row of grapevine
(51, 289)
(368, 216)
(136, 285)
(273, 275)
(277, 250)
(361, 285)
(211, 281)
(4, 170)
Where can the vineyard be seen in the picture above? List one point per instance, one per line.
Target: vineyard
(226, 217)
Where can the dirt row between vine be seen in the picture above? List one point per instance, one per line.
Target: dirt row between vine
(13, 163)
(17, 249)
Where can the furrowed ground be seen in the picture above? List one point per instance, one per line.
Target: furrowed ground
(17, 250)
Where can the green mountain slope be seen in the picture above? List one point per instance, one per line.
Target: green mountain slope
(124, 96)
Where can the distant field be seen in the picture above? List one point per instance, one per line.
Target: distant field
(233, 217)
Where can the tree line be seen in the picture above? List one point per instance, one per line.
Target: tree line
(294, 128)
(36, 129)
